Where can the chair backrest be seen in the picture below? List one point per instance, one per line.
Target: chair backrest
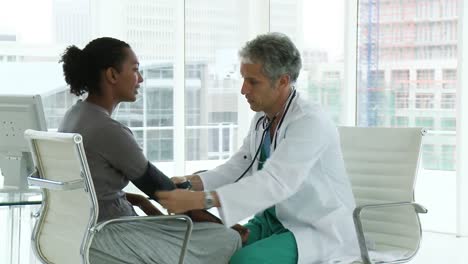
(382, 164)
(69, 207)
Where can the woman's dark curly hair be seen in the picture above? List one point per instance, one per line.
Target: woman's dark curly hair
(82, 68)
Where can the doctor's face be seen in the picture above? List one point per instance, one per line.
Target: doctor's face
(260, 93)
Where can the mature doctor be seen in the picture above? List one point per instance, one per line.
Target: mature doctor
(289, 171)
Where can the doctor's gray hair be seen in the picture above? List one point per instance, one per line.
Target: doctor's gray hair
(277, 54)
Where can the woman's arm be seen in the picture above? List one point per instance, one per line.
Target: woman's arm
(153, 180)
(143, 203)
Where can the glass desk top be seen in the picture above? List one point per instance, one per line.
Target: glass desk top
(12, 196)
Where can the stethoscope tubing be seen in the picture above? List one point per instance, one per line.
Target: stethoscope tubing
(267, 129)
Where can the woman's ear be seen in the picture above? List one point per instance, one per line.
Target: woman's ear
(111, 75)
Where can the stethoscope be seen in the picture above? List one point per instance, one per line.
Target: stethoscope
(266, 124)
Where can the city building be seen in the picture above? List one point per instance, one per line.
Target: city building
(407, 71)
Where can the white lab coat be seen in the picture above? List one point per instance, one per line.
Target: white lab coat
(304, 178)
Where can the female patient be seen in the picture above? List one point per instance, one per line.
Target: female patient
(107, 69)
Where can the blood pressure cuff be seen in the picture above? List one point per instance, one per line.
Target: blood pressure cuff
(153, 180)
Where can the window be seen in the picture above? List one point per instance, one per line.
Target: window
(425, 122)
(447, 101)
(448, 124)
(449, 78)
(167, 73)
(424, 100)
(448, 157)
(419, 61)
(400, 79)
(402, 100)
(400, 121)
(220, 117)
(425, 79)
(429, 157)
(321, 79)
(377, 80)
(159, 144)
(159, 105)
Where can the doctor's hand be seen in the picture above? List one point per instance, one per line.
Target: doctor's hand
(180, 200)
(179, 179)
(195, 181)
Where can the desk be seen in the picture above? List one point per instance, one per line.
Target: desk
(11, 197)
(16, 208)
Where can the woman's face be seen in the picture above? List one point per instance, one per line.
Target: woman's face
(128, 79)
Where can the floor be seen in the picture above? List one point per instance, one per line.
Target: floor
(442, 249)
(436, 248)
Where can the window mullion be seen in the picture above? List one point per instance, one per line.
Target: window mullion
(350, 59)
(179, 90)
(462, 122)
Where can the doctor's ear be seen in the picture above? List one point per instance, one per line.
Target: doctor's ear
(284, 80)
(111, 75)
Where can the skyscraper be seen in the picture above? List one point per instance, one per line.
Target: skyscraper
(407, 70)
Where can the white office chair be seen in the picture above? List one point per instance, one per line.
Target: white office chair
(382, 164)
(68, 217)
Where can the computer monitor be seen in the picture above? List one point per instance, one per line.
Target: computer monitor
(18, 113)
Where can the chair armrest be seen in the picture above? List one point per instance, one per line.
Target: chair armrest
(187, 219)
(360, 231)
(33, 179)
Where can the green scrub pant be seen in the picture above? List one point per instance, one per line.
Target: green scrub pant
(268, 243)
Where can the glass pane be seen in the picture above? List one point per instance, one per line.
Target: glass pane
(407, 68)
(149, 27)
(215, 31)
(321, 78)
(32, 48)
(31, 40)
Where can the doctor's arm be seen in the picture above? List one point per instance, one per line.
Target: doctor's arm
(281, 177)
(283, 174)
(180, 201)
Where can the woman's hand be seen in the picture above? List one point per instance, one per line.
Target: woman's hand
(244, 232)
